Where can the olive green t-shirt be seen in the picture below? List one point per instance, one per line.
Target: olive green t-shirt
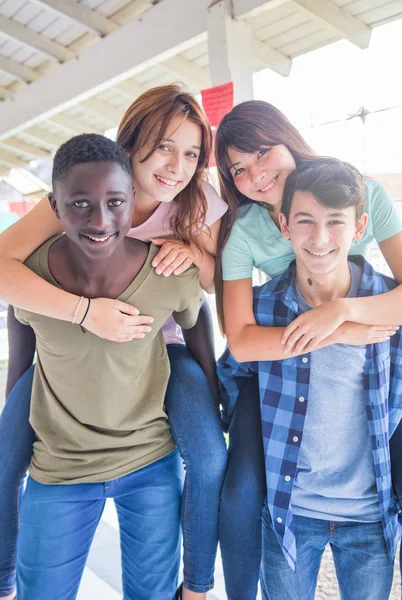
(97, 406)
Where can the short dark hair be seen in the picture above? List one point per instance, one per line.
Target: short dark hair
(334, 183)
(86, 148)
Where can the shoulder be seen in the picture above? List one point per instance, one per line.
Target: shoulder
(248, 215)
(35, 259)
(216, 207)
(372, 279)
(374, 191)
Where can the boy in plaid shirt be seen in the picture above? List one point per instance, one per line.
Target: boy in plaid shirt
(328, 415)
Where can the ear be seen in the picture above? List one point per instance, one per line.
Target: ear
(360, 227)
(53, 204)
(284, 226)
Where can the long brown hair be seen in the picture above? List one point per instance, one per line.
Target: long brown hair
(248, 127)
(147, 119)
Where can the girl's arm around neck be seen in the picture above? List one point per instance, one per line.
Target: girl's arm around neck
(19, 286)
(383, 309)
(249, 342)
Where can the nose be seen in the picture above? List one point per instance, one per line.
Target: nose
(257, 173)
(175, 163)
(319, 236)
(98, 219)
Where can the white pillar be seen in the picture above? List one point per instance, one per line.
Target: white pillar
(230, 49)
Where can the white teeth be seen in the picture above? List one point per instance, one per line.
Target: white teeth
(271, 184)
(168, 182)
(317, 253)
(103, 239)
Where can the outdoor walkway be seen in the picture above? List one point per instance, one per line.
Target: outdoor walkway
(102, 577)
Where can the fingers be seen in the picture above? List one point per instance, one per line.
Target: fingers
(126, 309)
(288, 332)
(183, 267)
(159, 241)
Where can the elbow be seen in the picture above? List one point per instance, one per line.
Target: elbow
(237, 349)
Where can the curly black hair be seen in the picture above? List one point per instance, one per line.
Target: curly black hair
(86, 148)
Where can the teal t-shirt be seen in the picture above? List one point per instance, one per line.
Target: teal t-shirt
(255, 240)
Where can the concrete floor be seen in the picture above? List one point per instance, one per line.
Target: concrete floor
(102, 576)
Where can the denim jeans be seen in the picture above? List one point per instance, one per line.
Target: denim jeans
(198, 434)
(243, 497)
(199, 438)
(16, 441)
(363, 568)
(58, 522)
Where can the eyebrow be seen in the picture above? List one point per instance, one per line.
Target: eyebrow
(335, 214)
(232, 166)
(85, 192)
(173, 141)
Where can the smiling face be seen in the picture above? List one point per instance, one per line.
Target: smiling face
(94, 203)
(261, 175)
(321, 236)
(170, 167)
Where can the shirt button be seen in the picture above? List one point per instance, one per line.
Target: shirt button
(295, 438)
(287, 478)
(304, 359)
(301, 399)
(279, 520)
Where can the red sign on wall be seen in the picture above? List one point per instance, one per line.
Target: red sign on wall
(217, 102)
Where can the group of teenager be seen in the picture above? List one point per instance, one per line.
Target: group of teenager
(104, 279)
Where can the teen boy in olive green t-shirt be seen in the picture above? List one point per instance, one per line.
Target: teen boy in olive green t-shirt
(97, 406)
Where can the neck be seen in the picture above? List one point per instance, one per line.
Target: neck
(144, 207)
(274, 212)
(318, 289)
(86, 272)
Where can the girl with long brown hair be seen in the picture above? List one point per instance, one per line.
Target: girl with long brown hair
(168, 138)
(256, 149)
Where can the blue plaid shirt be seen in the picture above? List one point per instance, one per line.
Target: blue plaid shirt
(284, 393)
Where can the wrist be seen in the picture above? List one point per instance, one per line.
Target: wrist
(82, 308)
(342, 310)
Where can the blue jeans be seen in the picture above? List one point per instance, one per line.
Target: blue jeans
(16, 441)
(362, 564)
(199, 438)
(58, 522)
(198, 434)
(243, 497)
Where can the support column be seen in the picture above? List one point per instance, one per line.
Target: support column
(230, 49)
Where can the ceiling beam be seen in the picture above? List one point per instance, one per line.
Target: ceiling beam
(20, 72)
(34, 40)
(29, 150)
(344, 24)
(12, 161)
(131, 88)
(50, 139)
(189, 71)
(173, 25)
(245, 9)
(132, 10)
(80, 14)
(102, 109)
(4, 170)
(73, 126)
(273, 59)
(5, 93)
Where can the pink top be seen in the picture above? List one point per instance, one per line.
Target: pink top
(158, 225)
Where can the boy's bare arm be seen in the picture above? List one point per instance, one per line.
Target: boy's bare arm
(200, 341)
(21, 344)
